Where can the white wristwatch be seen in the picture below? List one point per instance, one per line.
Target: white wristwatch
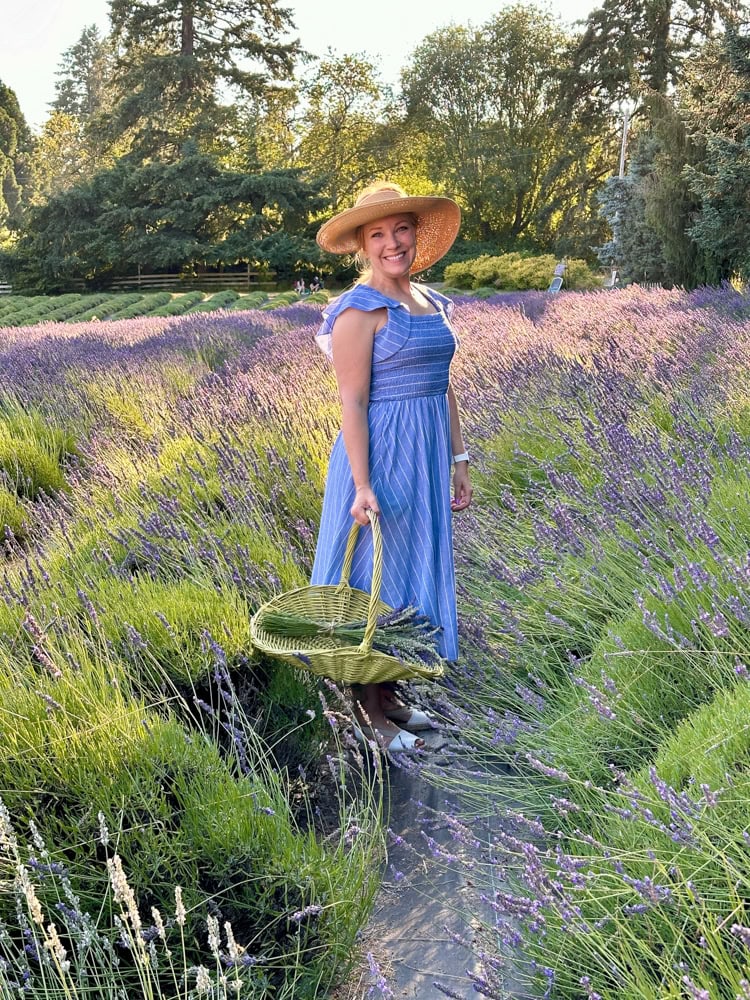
(463, 457)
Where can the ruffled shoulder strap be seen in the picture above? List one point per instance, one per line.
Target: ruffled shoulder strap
(360, 297)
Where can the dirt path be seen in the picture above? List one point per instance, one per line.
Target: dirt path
(425, 903)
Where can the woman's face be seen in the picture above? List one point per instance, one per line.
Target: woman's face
(390, 244)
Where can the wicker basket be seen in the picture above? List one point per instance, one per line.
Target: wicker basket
(338, 604)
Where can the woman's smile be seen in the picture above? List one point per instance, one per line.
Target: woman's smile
(390, 244)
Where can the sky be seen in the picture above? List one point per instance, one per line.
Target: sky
(36, 32)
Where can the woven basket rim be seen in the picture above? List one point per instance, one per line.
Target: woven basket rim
(327, 655)
(326, 652)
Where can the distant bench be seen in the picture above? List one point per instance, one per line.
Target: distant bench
(5, 289)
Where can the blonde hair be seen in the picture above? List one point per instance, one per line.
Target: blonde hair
(361, 261)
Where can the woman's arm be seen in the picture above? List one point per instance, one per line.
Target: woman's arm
(352, 341)
(462, 488)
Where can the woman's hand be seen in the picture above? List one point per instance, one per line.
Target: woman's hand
(462, 489)
(364, 500)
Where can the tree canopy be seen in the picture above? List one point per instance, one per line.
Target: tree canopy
(173, 57)
(501, 135)
(198, 131)
(83, 75)
(157, 216)
(15, 141)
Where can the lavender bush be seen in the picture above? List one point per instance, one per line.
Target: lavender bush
(603, 582)
(606, 651)
(183, 497)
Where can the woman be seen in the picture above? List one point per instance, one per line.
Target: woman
(391, 345)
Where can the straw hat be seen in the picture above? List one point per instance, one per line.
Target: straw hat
(438, 220)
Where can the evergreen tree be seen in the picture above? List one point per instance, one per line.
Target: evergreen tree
(161, 216)
(83, 76)
(636, 249)
(722, 181)
(15, 143)
(629, 46)
(175, 56)
(652, 210)
(62, 157)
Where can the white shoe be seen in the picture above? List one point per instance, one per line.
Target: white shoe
(400, 742)
(410, 719)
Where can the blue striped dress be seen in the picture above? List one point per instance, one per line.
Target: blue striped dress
(410, 460)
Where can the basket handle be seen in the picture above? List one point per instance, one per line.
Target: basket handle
(377, 575)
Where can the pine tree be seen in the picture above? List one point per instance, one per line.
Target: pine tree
(629, 46)
(722, 182)
(177, 58)
(83, 76)
(15, 143)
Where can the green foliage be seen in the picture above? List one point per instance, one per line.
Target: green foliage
(501, 133)
(636, 248)
(159, 216)
(84, 75)
(722, 180)
(170, 619)
(32, 452)
(12, 514)
(345, 134)
(282, 299)
(173, 59)
(128, 306)
(287, 254)
(696, 794)
(15, 141)
(651, 210)
(77, 308)
(250, 301)
(219, 300)
(656, 687)
(179, 304)
(630, 45)
(516, 271)
(466, 250)
(178, 813)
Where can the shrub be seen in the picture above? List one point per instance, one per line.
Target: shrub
(143, 305)
(176, 813)
(160, 624)
(518, 271)
(179, 304)
(32, 452)
(220, 300)
(657, 899)
(253, 300)
(461, 274)
(12, 514)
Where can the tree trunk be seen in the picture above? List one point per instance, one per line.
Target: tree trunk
(188, 31)
(187, 49)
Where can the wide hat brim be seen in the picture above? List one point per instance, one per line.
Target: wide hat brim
(438, 222)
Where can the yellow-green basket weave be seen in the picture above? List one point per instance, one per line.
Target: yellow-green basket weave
(338, 604)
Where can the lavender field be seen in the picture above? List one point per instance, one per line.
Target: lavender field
(162, 477)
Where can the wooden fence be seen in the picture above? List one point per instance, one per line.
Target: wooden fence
(241, 281)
